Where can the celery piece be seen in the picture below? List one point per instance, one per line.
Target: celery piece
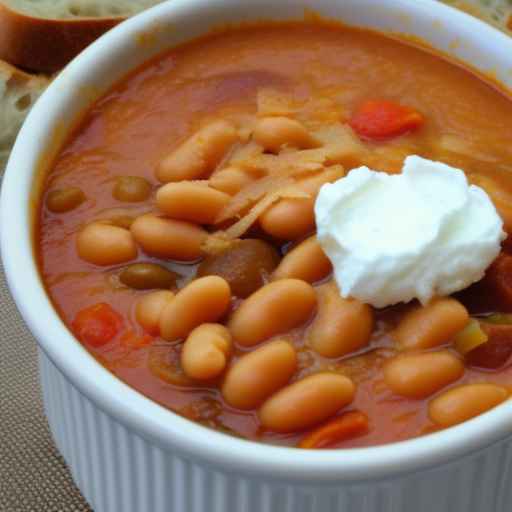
(471, 337)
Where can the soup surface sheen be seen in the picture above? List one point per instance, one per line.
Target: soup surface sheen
(326, 72)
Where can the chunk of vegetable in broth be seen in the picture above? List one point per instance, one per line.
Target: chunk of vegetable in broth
(147, 276)
(96, 325)
(470, 337)
(245, 266)
(496, 352)
(382, 119)
(347, 426)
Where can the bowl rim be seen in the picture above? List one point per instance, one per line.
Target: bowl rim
(148, 419)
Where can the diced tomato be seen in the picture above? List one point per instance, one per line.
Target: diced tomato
(133, 340)
(347, 426)
(96, 325)
(383, 119)
(496, 351)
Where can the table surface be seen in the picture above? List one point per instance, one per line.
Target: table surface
(33, 476)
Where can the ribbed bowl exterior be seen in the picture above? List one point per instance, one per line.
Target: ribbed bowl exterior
(119, 471)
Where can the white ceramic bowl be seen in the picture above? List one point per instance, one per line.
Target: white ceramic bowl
(128, 454)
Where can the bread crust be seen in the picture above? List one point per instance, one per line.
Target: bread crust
(8, 70)
(47, 45)
(19, 91)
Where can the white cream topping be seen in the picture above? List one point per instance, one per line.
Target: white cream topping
(419, 234)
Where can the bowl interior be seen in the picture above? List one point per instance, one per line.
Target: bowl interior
(88, 77)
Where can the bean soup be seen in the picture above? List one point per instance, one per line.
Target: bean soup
(177, 236)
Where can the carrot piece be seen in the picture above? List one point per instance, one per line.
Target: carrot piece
(96, 325)
(348, 425)
(133, 340)
(383, 119)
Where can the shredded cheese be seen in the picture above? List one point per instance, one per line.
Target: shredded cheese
(250, 195)
(238, 229)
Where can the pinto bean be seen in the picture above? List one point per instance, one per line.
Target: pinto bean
(431, 325)
(307, 402)
(259, 374)
(167, 238)
(203, 300)
(131, 189)
(465, 402)
(64, 199)
(274, 133)
(104, 244)
(147, 276)
(198, 155)
(192, 202)
(290, 219)
(341, 325)
(231, 180)
(149, 309)
(307, 261)
(420, 375)
(205, 352)
(274, 309)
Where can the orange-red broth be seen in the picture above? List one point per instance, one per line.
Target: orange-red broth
(139, 121)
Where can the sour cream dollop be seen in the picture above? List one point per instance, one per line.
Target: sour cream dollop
(423, 233)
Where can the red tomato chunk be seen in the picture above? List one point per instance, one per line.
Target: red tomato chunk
(96, 325)
(382, 119)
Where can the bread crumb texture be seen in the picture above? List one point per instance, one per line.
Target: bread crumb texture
(69, 9)
(18, 92)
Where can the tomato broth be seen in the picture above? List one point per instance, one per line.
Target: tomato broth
(327, 72)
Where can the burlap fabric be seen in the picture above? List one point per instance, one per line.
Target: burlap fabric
(33, 476)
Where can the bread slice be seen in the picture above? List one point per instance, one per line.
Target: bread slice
(18, 92)
(44, 35)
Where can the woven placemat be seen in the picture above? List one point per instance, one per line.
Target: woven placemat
(494, 12)
(33, 476)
